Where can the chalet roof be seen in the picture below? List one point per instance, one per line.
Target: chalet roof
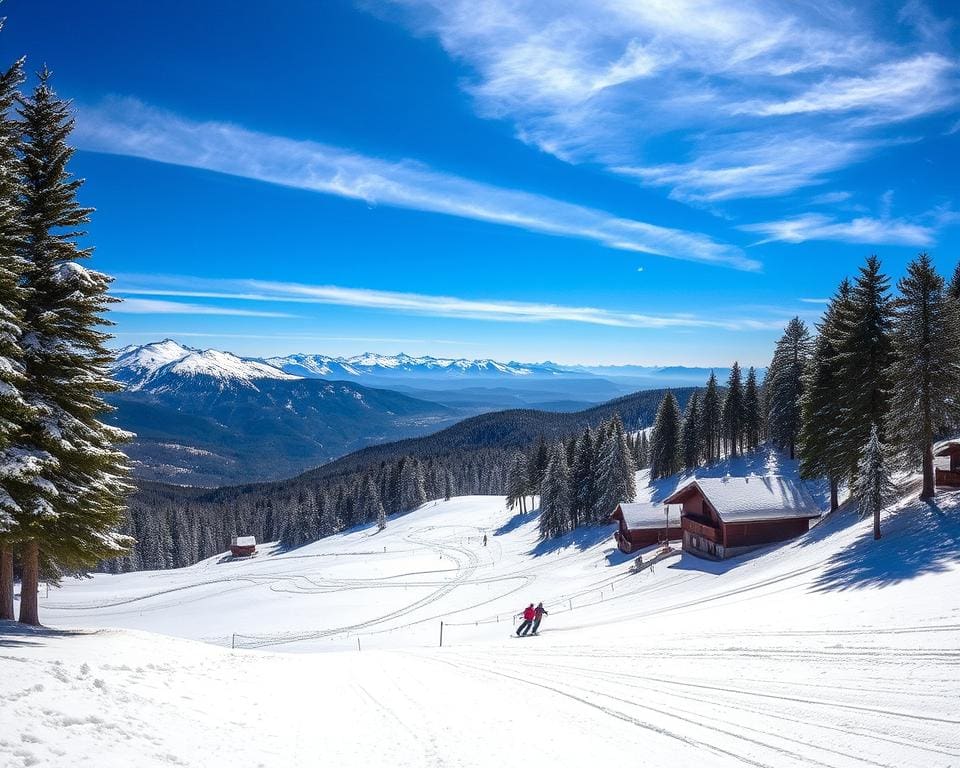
(639, 515)
(946, 447)
(244, 541)
(752, 498)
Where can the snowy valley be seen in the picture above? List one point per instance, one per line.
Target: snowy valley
(829, 650)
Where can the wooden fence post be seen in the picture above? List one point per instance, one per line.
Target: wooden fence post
(441, 634)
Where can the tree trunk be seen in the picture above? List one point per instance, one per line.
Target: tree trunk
(29, 613)
(929, 488)
(6, 582)
(834, 494)
(876, 523)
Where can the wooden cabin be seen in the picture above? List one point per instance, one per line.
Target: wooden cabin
(243, 546)
(640, 525)
(946, 464)
(726, 516)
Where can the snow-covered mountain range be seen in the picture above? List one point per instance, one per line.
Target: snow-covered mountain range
(167, 363)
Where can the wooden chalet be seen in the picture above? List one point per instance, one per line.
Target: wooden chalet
(640, 525)
(243, 546)
(726, 516)
(946, 464)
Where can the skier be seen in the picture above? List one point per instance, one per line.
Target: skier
(538, 614)
(529, 614)
(484, 539)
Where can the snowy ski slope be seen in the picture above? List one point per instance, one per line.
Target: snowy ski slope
(828, 651)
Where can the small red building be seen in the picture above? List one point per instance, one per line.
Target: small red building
(726, 516)
(243, 546)
(946, 459)
(640, 525)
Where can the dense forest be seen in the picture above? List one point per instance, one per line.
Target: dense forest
(176, 526)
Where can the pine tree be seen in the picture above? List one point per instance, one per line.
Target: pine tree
(665, 456)
(925, 374)
(583, 480)
(822, 414)
(16, 468)
(66, 361)
(785, 385)
(874, 487)
(864, 356)
(538, 466)
(712, 415)
(733, 410)
(643, 451)
(953, 289)
(690, 439)
(616, 473)
(517, 482)
(412, 493)
(752, 411)
(555, 496)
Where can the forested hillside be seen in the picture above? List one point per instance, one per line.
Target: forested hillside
(176, 526)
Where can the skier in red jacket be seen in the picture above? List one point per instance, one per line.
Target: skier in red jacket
(529, 614)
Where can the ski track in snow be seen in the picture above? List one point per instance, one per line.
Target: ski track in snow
(752, 662)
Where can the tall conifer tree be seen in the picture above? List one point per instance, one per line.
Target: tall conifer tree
(712, 415)
(66, 361)
(821, 442)
(733, 410)
(16, 467)
(665, 456)
(690, 439)
(925, 375)
(785, 385)
(752, 411)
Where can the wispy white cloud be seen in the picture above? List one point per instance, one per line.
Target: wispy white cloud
(425, 304)
(596, 82)
(830, 198)
(128, 127)
(815, 301)
(894, 91)
(815, 226)
(137, 306)
(752, 166)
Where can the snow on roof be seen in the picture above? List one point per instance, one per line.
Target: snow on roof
(244, 541)
(752, 498)
(640, 515)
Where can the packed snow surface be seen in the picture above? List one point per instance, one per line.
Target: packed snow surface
(832, 650)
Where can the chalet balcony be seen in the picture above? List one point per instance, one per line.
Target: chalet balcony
(701, 529)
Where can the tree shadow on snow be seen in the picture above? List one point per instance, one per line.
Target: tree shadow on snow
(920, 538)
(516, 521)
(581, 538)
(14, 635)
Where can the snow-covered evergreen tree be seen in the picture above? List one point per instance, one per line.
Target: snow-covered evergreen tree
(874, 486)
(66, 361)
(865, 356)
(733, 411)
(711, 413)
(617, 471)
(555, 496)
(538, 466)
(691, 443)
(784, 385)
(517, 482)
(412, 493)
(16, 467)
(752, 411)
(665, 456)
(925, 375)
(643, 451)
(583, 480)
(821, 441)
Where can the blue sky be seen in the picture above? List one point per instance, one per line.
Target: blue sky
(658, 181)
